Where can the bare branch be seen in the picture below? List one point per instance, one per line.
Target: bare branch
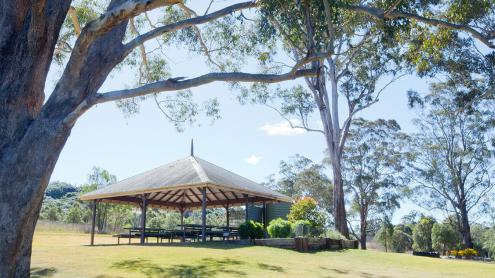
(142, 49)
(190, 13)
(292, 125)
(187, 23)
(175, 84)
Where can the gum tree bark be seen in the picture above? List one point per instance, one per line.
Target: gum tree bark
(33, 132)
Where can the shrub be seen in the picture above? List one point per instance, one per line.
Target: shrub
(468, 253)
(307, 209)
(301, 228)
(251, 230)
(333, 234)
(279, 228)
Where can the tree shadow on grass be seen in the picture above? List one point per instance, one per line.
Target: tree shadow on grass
(39, 272)
(271, 267)
(204, 268)
(350, 272)
(224, 245)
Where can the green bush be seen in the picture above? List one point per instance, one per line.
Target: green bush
(251, 230)
(279, 228)
(333, 234)
(301, 228)
(307, 209)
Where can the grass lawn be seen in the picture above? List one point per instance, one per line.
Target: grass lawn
(57, 254)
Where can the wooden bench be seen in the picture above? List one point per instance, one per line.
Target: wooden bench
(126, 235)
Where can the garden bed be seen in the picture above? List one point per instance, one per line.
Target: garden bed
(306, 244)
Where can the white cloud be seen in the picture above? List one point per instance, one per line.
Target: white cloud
(282, 128)
(253, 159)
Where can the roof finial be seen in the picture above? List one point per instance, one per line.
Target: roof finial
(192, 147)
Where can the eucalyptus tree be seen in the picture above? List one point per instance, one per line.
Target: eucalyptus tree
(97, 37)
(385, 233)
(422, 234)
(373, 160)
(300, 177)
(452, 155)
(354, 56)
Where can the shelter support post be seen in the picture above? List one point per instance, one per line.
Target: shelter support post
(93, 223)
(247, 205)
(182, 224)
(203, 214)
(144, 206)
(264, 214)
(227, 213)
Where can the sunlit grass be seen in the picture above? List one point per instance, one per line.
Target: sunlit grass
(57, 254)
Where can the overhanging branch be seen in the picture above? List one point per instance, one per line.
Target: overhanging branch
(177, 84)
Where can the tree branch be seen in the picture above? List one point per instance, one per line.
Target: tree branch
(75, 21)
(382, 14)
(292, 125)
(190, 13)
(176, 84)
(106, 22)
(187, 23)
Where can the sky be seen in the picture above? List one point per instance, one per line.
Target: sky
(249, 140)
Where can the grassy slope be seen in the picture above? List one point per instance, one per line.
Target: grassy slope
(66, 255)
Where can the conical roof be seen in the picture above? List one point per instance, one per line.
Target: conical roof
(179, 183)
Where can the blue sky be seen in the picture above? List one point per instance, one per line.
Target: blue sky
(250, 140)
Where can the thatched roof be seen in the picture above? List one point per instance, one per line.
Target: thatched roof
(178, 185)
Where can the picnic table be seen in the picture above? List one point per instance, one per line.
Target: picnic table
(213, 231)
(159, 234)
(187, 231)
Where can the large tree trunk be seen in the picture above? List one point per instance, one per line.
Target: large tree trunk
(340, 216)
(332, 138)
(33, 134)
(363, 227)
(30, 141)
(465, 227)
(24, 175)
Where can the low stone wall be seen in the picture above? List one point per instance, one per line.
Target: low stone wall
(304, 244)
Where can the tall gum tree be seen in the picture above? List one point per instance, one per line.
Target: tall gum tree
(356, 56)
(358, 41)
(33, 131)
(452, 155)
(373, 161)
